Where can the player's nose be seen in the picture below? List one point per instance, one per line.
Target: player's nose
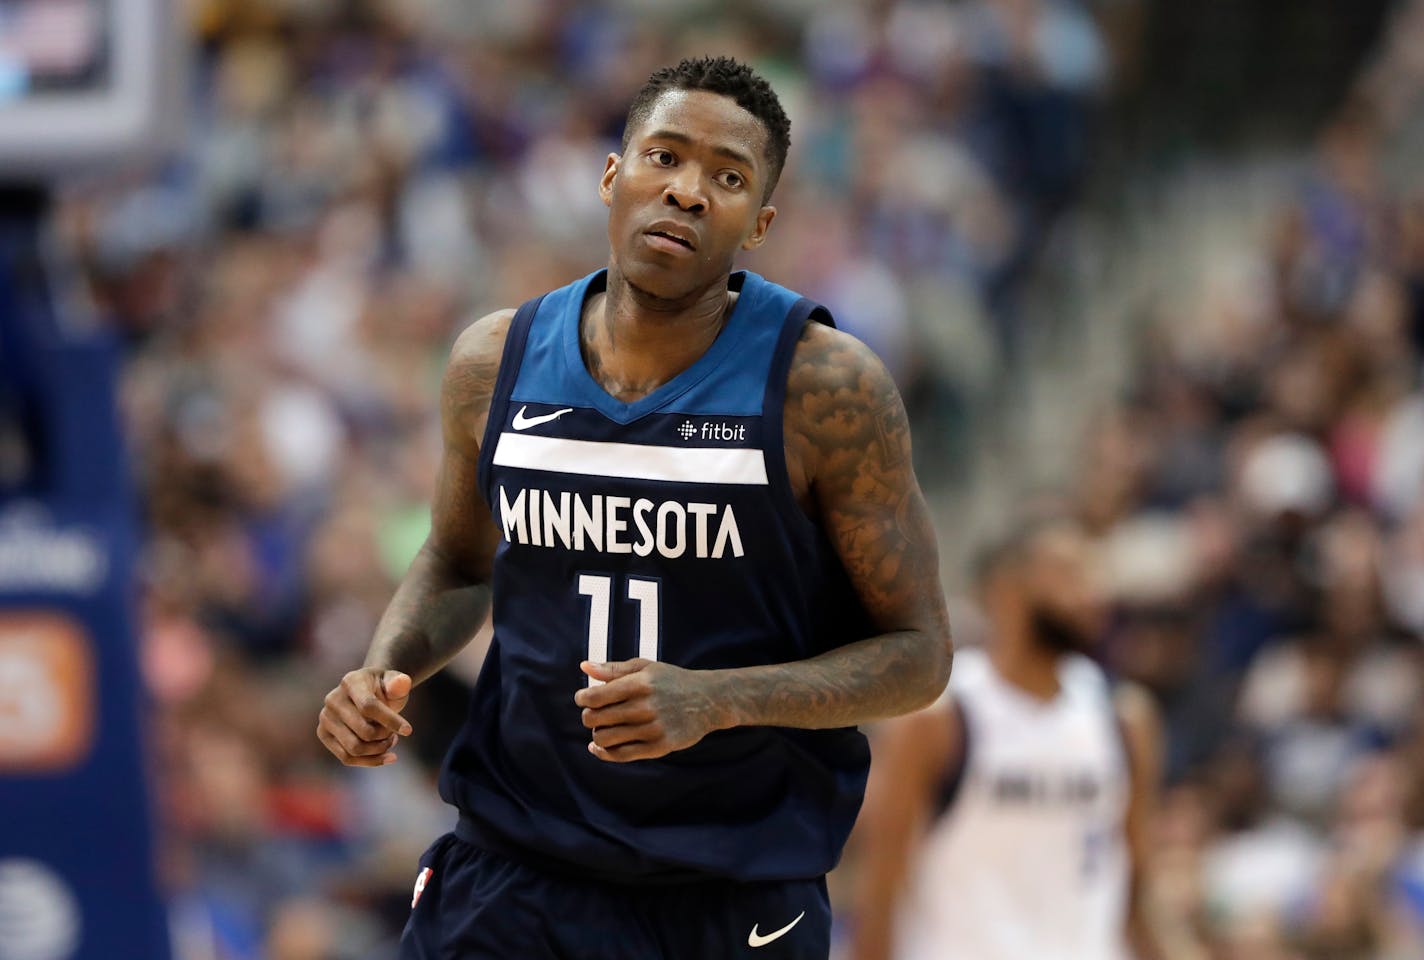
(685, 192)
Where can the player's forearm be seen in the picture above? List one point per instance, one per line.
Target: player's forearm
(880, 880)
(1142, 936)
(434, 613)
(871, 679)
(870, 937)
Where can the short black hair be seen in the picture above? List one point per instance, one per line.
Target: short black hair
(728, 77)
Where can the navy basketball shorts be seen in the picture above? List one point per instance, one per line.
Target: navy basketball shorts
(471, 904)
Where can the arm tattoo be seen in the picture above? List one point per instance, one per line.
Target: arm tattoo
(893, 454)
(468, 385)
(444, 596)
(855, 441)
(870, 679)
(846, 427)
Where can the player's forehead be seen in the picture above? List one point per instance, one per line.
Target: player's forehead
(706, 119)
(1059, 545)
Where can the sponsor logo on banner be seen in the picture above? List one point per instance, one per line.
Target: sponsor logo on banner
(46, 692)
(37, 555)
(39, 915)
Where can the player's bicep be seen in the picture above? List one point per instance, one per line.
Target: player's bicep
(910, 755)
(1141, 726)
(462, 528)
(854, 438)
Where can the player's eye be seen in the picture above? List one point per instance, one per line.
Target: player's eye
(662, 158)
(732, 179)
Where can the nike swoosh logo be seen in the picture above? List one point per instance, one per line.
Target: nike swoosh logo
(755, 939)
(521, 422)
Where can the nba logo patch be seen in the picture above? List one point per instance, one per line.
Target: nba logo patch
(420, 883)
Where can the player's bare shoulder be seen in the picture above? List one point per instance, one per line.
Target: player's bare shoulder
(469, 380)
(842, 407)
(1141, 721)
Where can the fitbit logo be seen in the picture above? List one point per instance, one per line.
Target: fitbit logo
(713, 430)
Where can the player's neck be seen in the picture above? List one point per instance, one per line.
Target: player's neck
(633, 343)
(1022, 663)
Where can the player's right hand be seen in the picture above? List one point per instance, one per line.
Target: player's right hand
(360, 721)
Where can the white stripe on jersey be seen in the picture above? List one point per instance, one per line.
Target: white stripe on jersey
(633, 461)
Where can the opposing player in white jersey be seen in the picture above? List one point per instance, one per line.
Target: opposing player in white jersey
(1008, 821)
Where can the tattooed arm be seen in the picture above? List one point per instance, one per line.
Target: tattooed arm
(848, 444)
(848, 452)
(444, 596)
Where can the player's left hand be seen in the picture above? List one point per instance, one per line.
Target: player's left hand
(645, 709)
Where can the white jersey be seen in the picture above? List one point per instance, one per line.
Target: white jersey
(1030, 859)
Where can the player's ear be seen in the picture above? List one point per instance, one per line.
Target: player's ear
(763, 223)
(605, 185)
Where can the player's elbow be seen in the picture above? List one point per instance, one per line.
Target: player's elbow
(938, 661)
(943, 664)
(451, 566)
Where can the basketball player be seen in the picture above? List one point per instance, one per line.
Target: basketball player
(1008, 821)
(692, 501)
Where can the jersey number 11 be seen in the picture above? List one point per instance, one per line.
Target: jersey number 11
(599, 590)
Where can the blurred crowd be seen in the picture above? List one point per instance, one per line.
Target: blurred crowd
(1259, 502)
(361, 179)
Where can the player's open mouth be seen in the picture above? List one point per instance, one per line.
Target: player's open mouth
(678, 240)
(669, 234)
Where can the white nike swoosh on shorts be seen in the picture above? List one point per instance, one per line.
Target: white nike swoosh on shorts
(755, 939)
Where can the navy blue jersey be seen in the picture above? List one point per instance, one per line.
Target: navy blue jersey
(664, 528)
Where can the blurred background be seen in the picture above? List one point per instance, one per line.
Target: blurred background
(1160, 262)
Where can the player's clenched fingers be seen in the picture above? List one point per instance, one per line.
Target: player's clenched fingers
(330, 741)
(354, 745)
(627, 733)
(623, 753)
(370, 748)
(633, 711)
(370, 706)
(599, 696)
(614, 691)
(606, 672)
(344, 711)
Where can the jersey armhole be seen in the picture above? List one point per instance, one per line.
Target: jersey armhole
(773, 404)
(509, 364)
(953, 778)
